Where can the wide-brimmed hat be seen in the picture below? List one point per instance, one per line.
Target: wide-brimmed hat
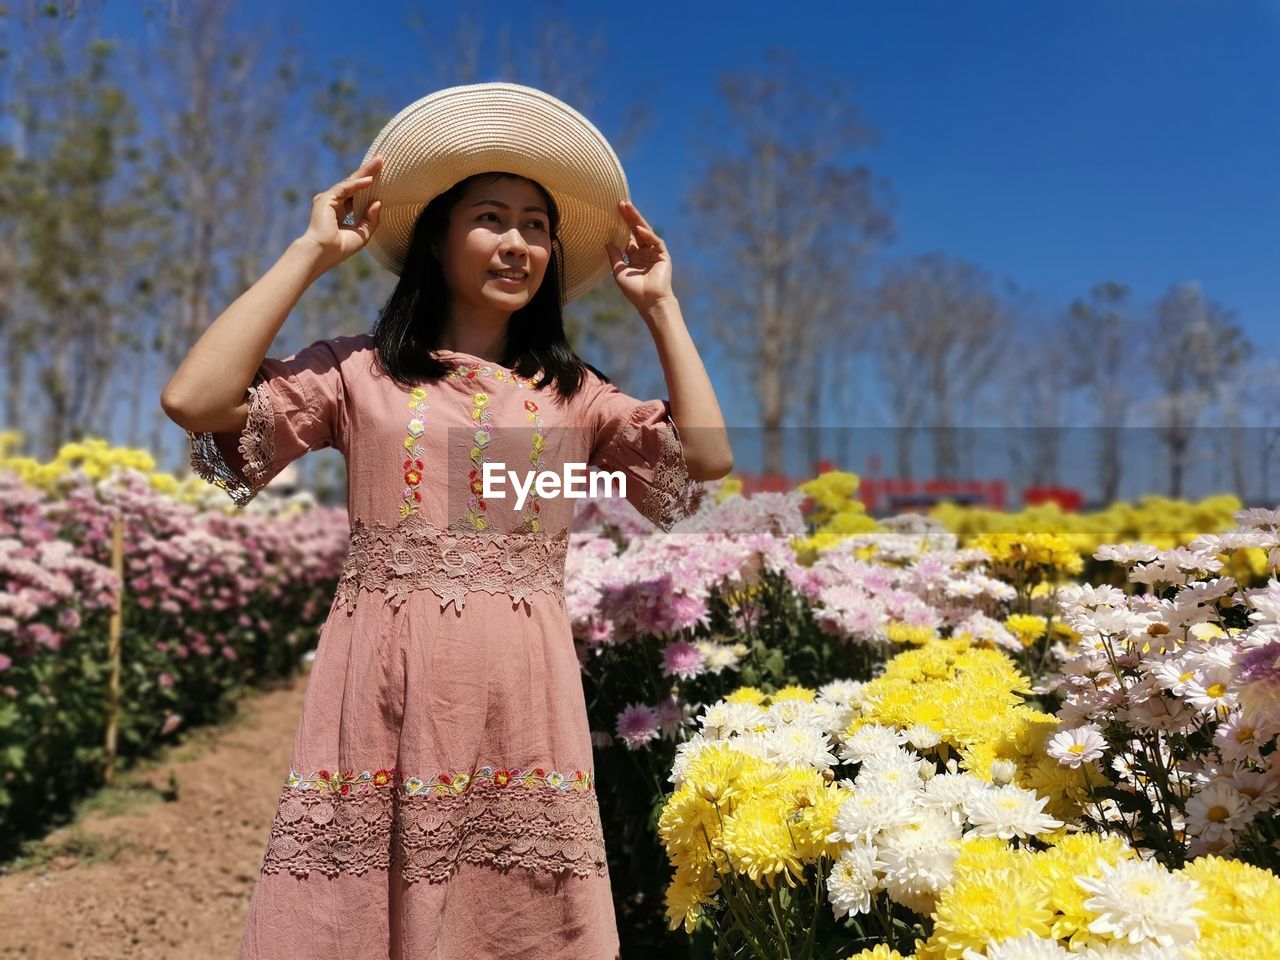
(453, 133)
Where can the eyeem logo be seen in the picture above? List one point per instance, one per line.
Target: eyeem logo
(548, 483)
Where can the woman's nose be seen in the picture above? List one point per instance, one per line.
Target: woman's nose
(513, 241)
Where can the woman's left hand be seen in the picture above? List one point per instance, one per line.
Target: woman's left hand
(645, 276)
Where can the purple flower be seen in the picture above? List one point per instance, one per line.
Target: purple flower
(637, 725)
(682, 659)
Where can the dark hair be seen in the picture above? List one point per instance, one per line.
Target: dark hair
(413, 318)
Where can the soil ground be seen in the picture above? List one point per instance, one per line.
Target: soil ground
(144, 873)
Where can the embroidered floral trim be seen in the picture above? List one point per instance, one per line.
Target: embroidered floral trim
(341, 823)
(671, 495)
(413, 465)
(442, 784)
(415, 554)
(257, 446)
(476, 506)
(470, 371)
(480, 412)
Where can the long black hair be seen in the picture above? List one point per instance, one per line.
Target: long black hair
(413, 318)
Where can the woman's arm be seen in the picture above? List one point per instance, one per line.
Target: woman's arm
(207, 393)
(644, 278)
(694, 408)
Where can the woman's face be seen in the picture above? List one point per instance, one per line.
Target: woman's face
(497, 225)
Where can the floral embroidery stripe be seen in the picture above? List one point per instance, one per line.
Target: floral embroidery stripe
(442, 784)
(413, 463)
(476, 506)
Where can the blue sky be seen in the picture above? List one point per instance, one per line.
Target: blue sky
(1053, 144)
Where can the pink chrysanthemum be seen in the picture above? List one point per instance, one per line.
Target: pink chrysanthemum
(637, 725)
(682, 659)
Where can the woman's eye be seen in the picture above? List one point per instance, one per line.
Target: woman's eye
(536, 223)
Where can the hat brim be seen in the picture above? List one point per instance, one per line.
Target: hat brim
(457, 132)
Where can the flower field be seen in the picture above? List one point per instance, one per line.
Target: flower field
(964, 735)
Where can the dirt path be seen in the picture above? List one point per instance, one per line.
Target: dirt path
(142, 876)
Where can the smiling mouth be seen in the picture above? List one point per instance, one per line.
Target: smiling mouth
(513, 277)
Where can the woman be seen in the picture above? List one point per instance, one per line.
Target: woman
(441, 801)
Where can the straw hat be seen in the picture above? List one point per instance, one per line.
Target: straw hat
(453, 133)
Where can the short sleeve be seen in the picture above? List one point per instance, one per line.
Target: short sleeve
(295, 405)
(639, 438)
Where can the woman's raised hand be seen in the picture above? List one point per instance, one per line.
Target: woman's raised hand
(645, 276)
(330, 208)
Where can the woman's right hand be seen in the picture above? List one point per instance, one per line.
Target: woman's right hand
(337, 240)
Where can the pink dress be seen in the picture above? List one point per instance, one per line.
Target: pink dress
(441, 802)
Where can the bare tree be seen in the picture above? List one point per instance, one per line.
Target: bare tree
(784, 223)
(1100, 334)
(220, 97)
(942, 329)
(1196, 347)
(72, 268)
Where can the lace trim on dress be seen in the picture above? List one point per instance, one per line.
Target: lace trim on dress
(257, 445)
(547, 830)
(671, 495)
(331, 833)
(343, 824)
(415, 554)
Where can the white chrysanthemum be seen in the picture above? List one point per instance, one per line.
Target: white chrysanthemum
(1003, 771)
(801, 745)
(685, 754)
(872, 740)
(785, 712)
(918, 859)
(846, 693)
(1237, 739)
(755, 743)
(865, 813)
(1007, 812)
(723, 719)
(1137, 900)
(922, 736)
(1121, 950)
(1077, 746)
(1088, 595)
(1126, 553)
(717, 657)
(1217, 812)
(1026, 947)
(903, 765)
(1174, 674)
(852, 881)
(950, 792)
(1213, 693)
(833, 718)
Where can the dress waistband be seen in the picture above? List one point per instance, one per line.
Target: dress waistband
(415, 554)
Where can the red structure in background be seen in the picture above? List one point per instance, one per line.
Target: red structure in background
(895, 493)
(1067, 498)
(883, 495)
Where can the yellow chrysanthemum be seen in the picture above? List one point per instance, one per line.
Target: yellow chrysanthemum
(880, 951)
(906, 633)
(1241, 906)
(747, 695)
(979, 908)
(691, 889)
(759, 844)
(1071, 856)
(1026, 627)
(795, 692)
